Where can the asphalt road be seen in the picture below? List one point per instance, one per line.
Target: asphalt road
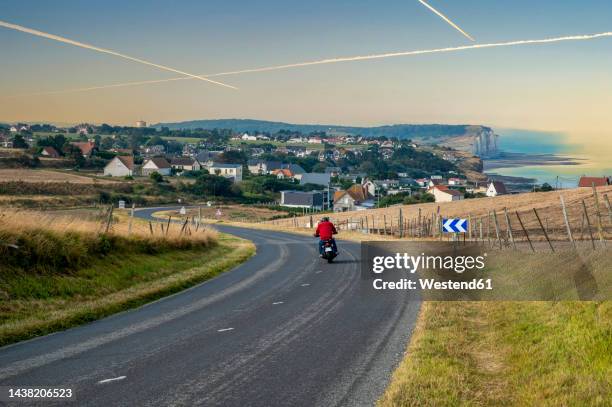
(283, 329)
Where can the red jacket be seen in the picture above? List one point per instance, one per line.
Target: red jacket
(325, 230)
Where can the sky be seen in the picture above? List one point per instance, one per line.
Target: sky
(557, 87)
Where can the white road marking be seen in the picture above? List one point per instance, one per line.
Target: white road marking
(317, 272)
(305, 285)
(114, 379)
(225, 329)
(277, 303)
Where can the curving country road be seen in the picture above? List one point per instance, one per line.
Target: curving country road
(282, 329)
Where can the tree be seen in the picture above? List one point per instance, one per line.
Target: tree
(19, 142)
(57, 142)
(209, 184)
(75, 154)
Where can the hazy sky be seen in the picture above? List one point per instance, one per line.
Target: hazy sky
(564, 86)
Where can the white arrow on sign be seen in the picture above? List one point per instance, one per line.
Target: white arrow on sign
(454, 225)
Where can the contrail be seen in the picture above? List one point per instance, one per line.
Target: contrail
(105, 51)
(443, 17)
(583, 37)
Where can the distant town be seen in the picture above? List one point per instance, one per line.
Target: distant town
(301, 172)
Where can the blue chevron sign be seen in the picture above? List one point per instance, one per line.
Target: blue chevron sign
(455, 225)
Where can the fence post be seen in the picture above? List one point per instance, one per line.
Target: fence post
(588, 223)
(385, 223)
(598, 213)
(109, 220)
(567, 224)
(543, 229)
(509, 228)
(150, 227)
(607, 201)
(489, 228)
(400, 223)
(168, 225)
(497, 231)
(524, 231)
(131, 218)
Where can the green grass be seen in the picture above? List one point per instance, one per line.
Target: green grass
(507, 354)
(515, 353)
(37, 303)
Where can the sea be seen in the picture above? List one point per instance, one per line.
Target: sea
(588, 155)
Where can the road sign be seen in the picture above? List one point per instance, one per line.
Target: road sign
(219, 213)
(121, 204)
(454, 225)
(183, 211)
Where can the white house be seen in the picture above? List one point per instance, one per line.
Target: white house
(232, 171)
(248, 137)
(496, 188)
(185, 164)
(120, 166)
(156, 164)
(455, 181)
(443, 194)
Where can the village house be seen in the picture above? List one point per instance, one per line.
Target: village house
(248, 137)
(283, 173)
(496, 188)
(456, 181)
(156, 164)
(231, 171)
(87, 147)
(333, 171)
(157, 149)
(19, 127)
(49, 152)
(443, 194)
(354, 198)
(435, 182)
(590, 181)
(422, 182)
(300, 199)
(295, 169)
(263, 167)
(206, 158)
(120, 166)
(180, 164)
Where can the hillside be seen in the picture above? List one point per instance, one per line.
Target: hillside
(420, 131)
(479, 210)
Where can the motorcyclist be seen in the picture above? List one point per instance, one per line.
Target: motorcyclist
(325, 231)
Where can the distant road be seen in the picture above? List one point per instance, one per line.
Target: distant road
(282, 329)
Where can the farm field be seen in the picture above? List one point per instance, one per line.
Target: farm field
(30, 175)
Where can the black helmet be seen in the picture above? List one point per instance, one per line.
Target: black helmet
(325, 219)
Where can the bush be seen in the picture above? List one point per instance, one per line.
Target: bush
(156, 177)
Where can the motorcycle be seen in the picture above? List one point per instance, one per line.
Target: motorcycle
(328, 251)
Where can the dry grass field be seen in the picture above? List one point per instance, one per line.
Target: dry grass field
(29, 175)
(547, 204)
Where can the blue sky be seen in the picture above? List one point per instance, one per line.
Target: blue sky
(563, 87)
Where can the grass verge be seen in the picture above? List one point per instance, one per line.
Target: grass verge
(507, 354)
(60, 274)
